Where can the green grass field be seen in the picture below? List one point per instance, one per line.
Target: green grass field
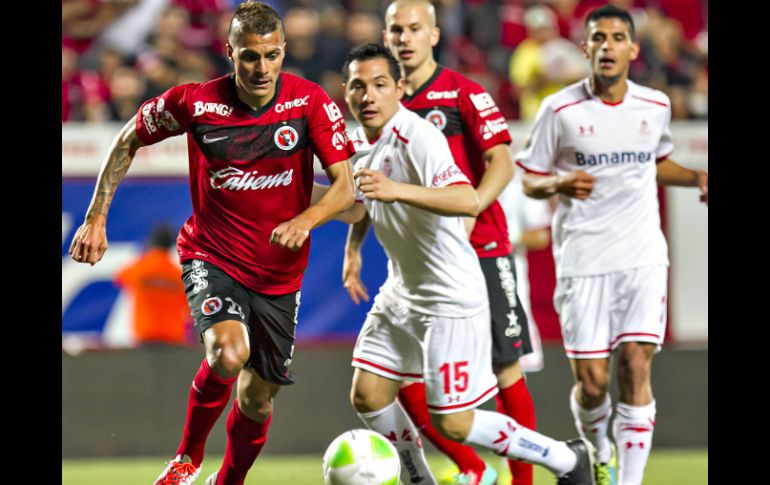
(666, 467)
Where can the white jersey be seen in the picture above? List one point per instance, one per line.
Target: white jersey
(618, 226)
(432, 267)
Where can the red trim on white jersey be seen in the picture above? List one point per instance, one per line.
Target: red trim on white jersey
(576, 352)
(570, 104)
(660, 159)
(458, 183)
(518, 162)
(609, 103)
(638, 334)
(385, 369)
(455, 406)
(650, 101)
(398, 135)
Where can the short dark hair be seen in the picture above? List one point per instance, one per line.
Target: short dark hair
(255, 18)
(369, 51)
(611, 11)
(163, 235)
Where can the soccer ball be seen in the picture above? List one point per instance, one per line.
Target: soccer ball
(361, 457)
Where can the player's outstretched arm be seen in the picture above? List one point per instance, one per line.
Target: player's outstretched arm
(348, 216)
(293, 233)
(671, 173)
(90, 241)
(352, 263)
(497, 176)
(452, 200)
(577, 184)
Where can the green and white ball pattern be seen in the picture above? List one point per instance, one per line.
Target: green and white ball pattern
(361, 457)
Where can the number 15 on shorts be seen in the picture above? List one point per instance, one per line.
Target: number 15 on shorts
(455, 376)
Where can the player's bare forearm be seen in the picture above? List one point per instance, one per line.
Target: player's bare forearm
(576, 184)
(349, 216)
(357, 233)
(669, 172)
(497, 176)
(540, 186)
(332, 199)
(113, 169)
(452, 200)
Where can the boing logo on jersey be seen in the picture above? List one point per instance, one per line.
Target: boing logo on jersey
(286, 138)
(438, 118)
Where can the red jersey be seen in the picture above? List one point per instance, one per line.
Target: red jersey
(472, 124)
(250, 170)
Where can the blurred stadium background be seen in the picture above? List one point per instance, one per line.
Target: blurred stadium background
(120, 400)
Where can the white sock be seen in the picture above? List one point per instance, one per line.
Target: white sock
(633, 429)
(393, 423)
(505, 437)
(593, 424)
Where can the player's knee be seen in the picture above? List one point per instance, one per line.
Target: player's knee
(634, 363)
(256, 407)
(455, 427)
(228, 358)
(366, 401)
(594, 383)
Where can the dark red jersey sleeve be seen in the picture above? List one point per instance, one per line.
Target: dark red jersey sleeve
(485, 120)
(164, 116)
(328, 135)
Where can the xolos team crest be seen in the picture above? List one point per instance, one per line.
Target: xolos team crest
(286, 138)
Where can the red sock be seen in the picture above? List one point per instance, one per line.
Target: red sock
(516, 402)
(208, 397)
(412, 399)
(245, 439)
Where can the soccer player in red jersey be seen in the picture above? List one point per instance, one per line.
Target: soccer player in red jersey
(479, 141)
(251, 138)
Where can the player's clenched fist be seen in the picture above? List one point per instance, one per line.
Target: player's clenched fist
(90, 241)
(291, 234)
(577, 184)
(376, 185)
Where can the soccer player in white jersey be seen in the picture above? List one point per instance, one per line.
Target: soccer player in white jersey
(601, 144)
(430, 321)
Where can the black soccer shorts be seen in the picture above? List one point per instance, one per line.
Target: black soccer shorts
(510, 332)
(214, 296)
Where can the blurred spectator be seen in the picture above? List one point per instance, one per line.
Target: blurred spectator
(127, 34)
(303, 58)
(83, 20)
(544, 62)
(126, 90)
(84, 93)
(154, 283)
(173, 41)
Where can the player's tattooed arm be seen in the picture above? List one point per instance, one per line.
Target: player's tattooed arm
(90, 241)
(114, 168)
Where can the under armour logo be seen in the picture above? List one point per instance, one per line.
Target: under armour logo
(452, 399)
(587, 130)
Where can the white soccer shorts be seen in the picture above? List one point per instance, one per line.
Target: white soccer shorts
(452, 356)
(598, 313)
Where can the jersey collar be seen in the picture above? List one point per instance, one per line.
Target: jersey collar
(590, 93)
(424, 85)
(245, 107)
